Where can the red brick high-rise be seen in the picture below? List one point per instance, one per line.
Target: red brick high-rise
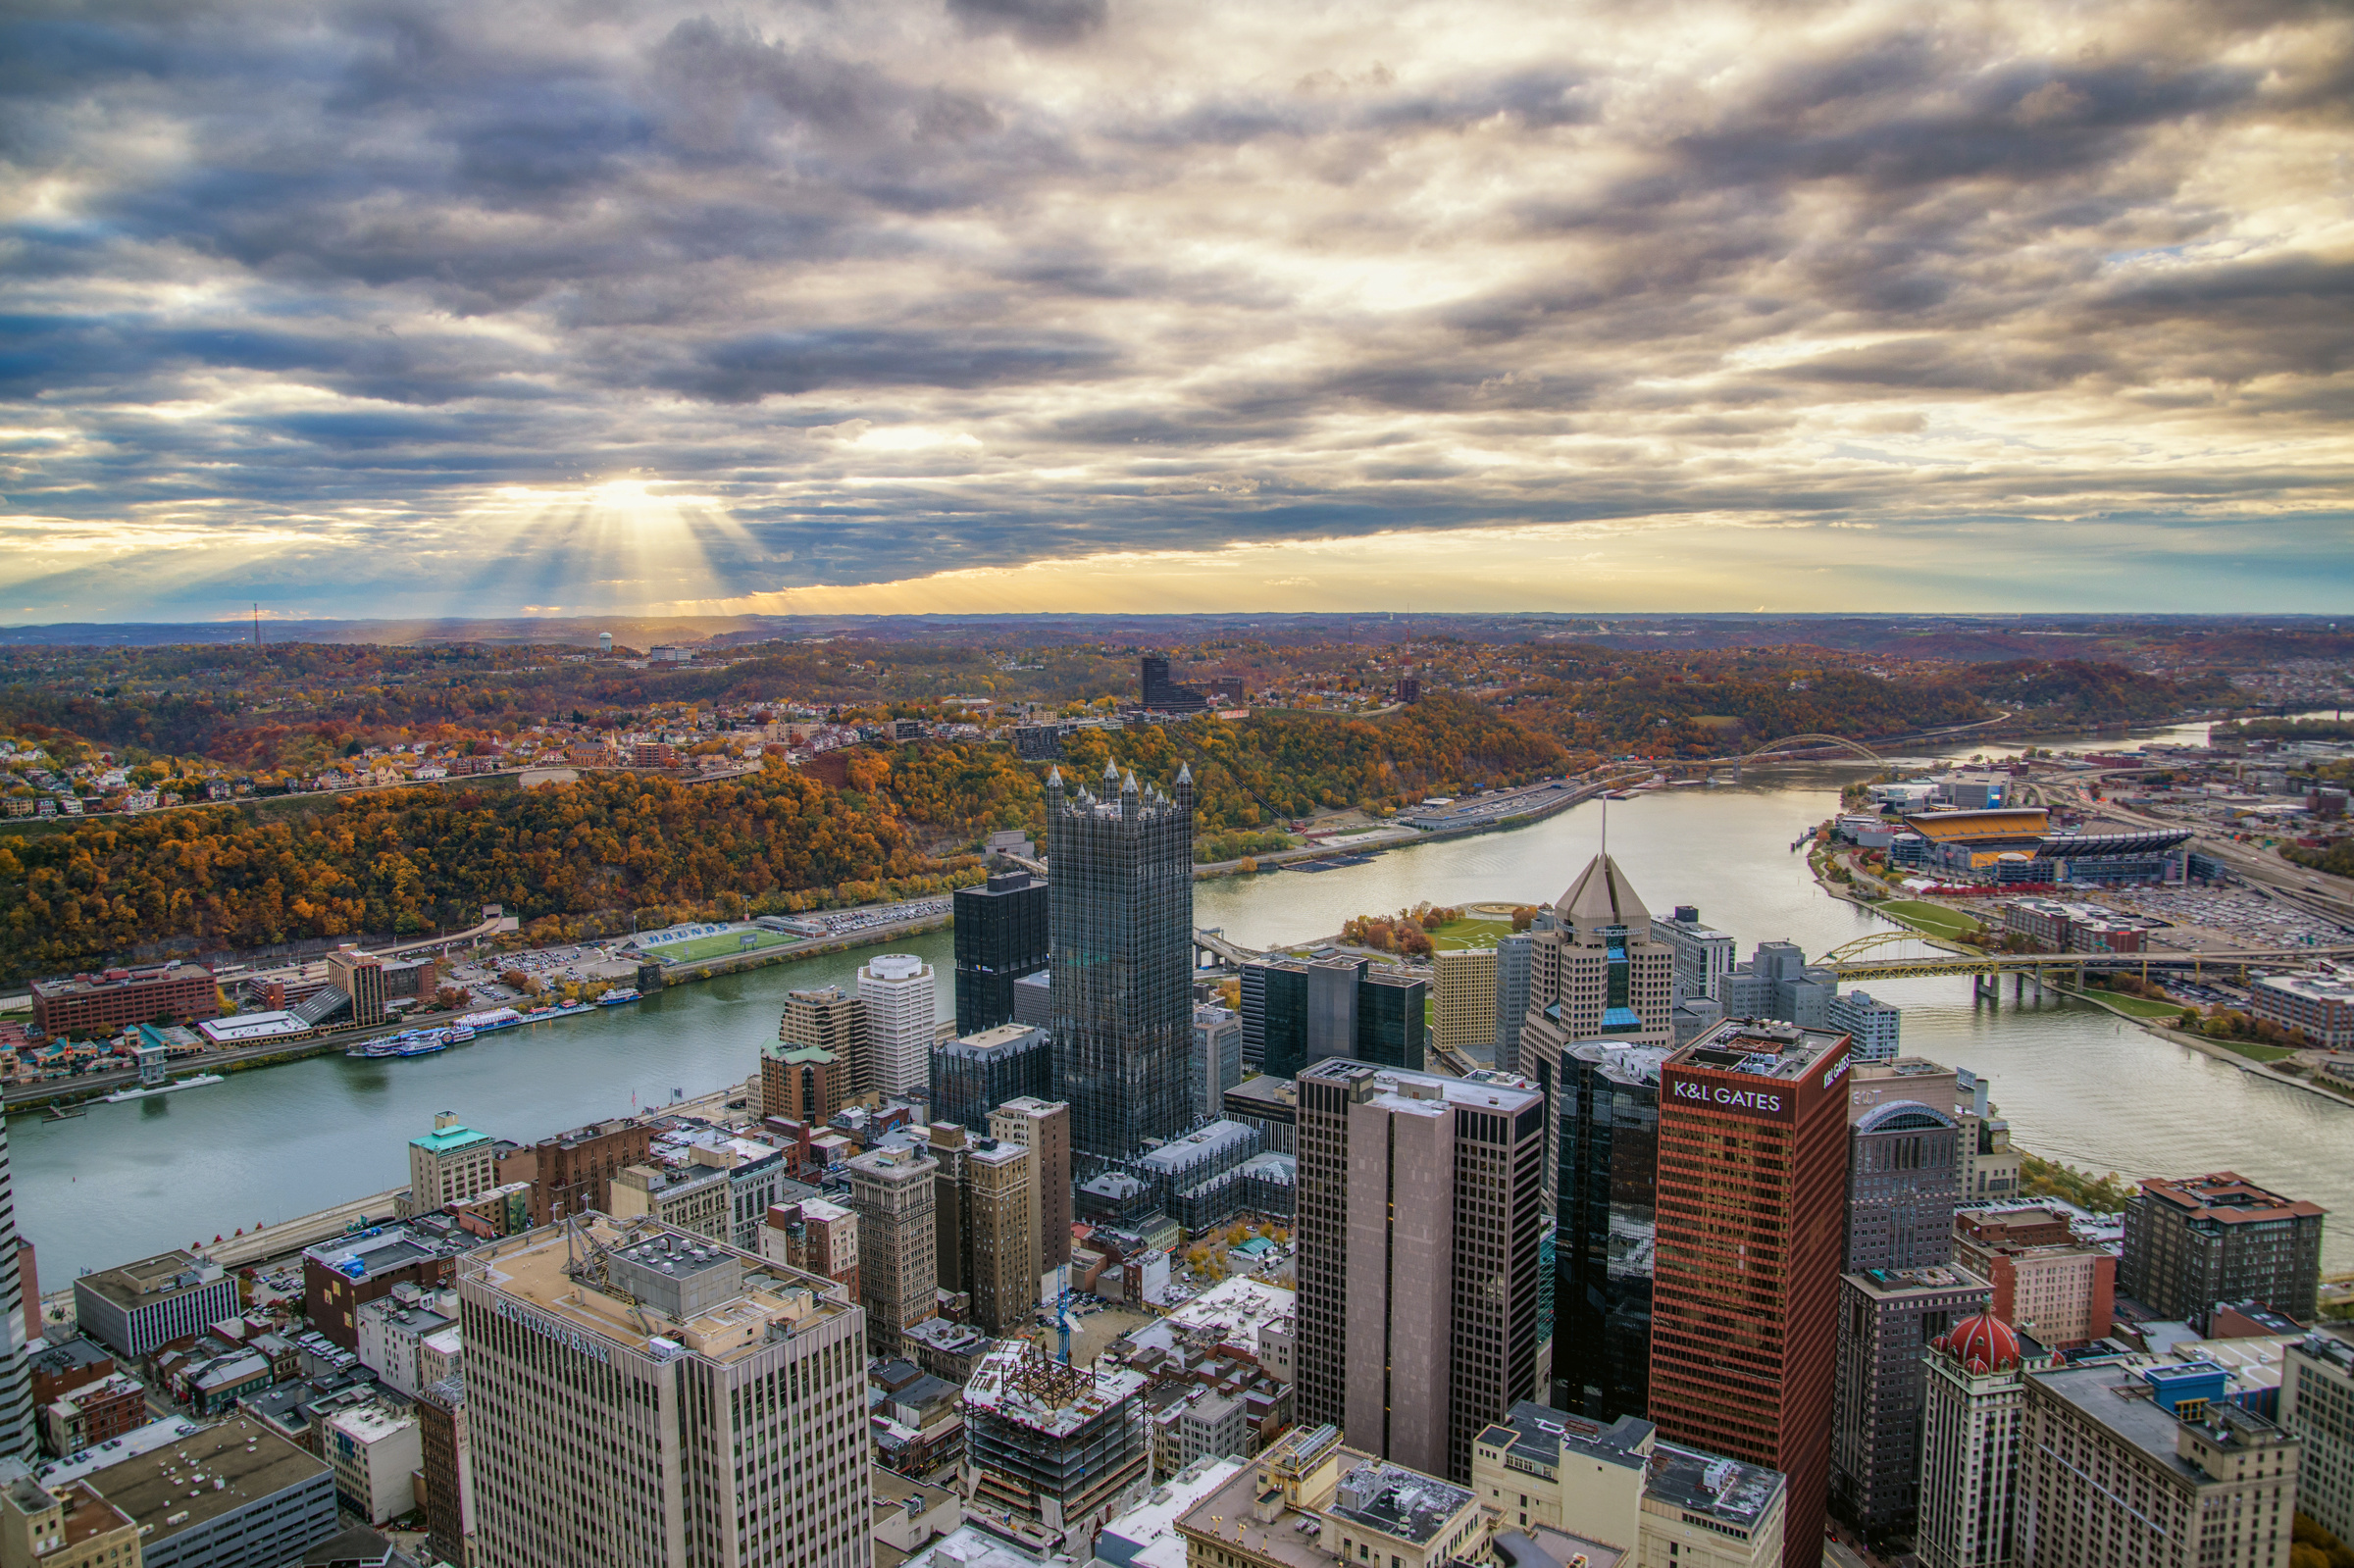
(1752, 1205)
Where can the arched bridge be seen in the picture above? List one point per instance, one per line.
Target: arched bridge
(1853, 747)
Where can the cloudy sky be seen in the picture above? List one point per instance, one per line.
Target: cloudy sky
(389, 307)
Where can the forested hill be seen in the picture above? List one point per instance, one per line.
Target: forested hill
(579, 857)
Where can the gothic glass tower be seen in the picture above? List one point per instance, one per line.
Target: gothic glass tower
(1121, 918)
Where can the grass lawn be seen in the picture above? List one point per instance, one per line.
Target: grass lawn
(1935, 919)
(2254, 1052)
(1469, 933)
(2140, 1006)
(725, 943)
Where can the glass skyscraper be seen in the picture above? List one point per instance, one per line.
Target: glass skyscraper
(1120, 917)
(1001, 937)
(1608, 1102)
(1296, 1014)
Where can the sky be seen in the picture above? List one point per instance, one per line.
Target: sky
(394, 308)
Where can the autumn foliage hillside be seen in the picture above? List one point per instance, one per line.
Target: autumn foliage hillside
(413, 861)
(408, 862)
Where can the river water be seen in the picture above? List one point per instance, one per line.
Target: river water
(127, 1180)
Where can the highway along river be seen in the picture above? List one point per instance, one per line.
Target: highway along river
(125, 1181)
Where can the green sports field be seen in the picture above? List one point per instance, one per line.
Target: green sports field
(1469, 933)
(1935, 919)
(721, 945)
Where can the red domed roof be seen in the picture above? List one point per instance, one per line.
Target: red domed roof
(1983, 1343)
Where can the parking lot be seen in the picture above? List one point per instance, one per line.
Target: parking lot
(2202, 920)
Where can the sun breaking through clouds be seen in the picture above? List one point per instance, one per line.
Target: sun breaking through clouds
(387, 307)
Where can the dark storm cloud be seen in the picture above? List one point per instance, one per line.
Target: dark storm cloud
(745, 370)
(931, 286)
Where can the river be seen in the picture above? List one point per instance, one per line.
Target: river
(2075, 1082)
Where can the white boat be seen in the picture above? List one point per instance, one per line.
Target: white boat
(148, 1090)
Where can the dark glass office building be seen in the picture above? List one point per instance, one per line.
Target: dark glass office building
(1166, 695)
(1121, 919)
(1001, 937)
(1608, 1105)
(1296, 1014)
(975, 1074)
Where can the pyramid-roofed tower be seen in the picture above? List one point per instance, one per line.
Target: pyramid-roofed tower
(1603, 896)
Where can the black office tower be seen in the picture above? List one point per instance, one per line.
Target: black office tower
(1001, 937)
(1165, 695)
(1120, 902)
(1608, 1105)
(1296, 1014)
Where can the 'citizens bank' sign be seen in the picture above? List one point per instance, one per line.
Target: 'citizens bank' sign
(1763, 1100)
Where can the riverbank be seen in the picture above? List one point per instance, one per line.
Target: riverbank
(71, 1092)
(2218, 1050)
(1307, 854)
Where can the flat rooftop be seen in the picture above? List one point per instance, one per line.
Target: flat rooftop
(177, 1480)
(940, 1333)
(1202, 1142)
(397, 1247)
(1759, 1049)
(150, 1280)
(1003, 1035)
(59, 1473)
(371, 1423)
(1396, 1088)
(1146, 1533)
(970, 1546)
(1622, 1061)
(1227, 1514)
(1237, 1307)
(252, 1026)
(1541, 1433)
(1543, 1547)
(1936, 1279)
(117, 979)
(530, 1271)
(2116, 1396)
(1404, 1504)
(1904, 1067)
(2314, 988)
(1261, 1090)
(1724, 1490)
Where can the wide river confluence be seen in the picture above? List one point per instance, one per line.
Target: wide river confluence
(2075, 1082)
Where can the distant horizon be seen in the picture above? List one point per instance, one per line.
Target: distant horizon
(1172, 625)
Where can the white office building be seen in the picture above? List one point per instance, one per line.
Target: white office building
(896, 994)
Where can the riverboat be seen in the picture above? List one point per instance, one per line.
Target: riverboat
(616, 998)
(408, 1043)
